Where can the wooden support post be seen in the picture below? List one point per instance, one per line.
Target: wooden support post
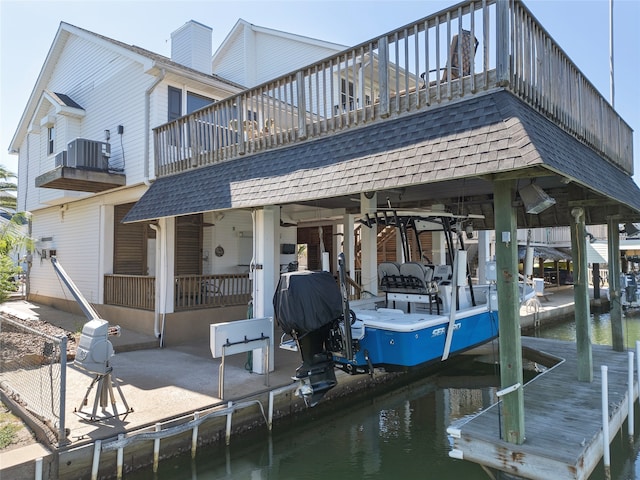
(615, 311)
(581, 295)
(509, 311)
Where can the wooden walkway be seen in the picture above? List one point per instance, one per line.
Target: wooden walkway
(563, 418)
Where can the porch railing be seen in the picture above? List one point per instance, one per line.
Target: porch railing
(191, 291)
(206, 291)
(133, 291)
(412, 68)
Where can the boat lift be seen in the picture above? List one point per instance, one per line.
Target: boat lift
(93, 354)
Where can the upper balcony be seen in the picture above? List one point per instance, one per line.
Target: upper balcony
(468, 50)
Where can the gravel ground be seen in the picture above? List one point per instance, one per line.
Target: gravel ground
(20, 344)
(24, 348)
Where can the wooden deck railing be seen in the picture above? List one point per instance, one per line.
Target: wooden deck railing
(406, 70)
(543, 75)
(207, 291)
(191, 291)
(133, 291)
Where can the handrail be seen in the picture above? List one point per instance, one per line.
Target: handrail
(544, 76)
(137, 437)
(133, 291)
(355, 289)
(399, 73)
(191, 291)
(363, 84)
(206, 291)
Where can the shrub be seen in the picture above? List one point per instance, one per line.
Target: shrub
(8, 275)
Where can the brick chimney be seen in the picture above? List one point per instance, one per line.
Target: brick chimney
(191, 46)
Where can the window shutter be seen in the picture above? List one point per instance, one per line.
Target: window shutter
(130, 249)
(188, 253)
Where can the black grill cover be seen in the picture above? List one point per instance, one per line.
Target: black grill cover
(305, 301)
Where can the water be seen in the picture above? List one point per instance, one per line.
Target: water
(401, 435)
(600, 329)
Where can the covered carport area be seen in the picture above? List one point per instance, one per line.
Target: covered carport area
(475, 156)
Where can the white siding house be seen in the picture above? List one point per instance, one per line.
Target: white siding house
(101, 90)
(106, 92)
(163, 261)
(251, 55)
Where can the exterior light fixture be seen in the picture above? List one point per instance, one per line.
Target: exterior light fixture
(469, 231)
(535, 199)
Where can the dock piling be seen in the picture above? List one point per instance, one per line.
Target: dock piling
(38, 474)
(119, 458)
(96, 459)
(630, 420)
(156, 449)
(270, 415)
(605, 423)
(194, 435)
(272, 396)
(228, 432)
(638, 366)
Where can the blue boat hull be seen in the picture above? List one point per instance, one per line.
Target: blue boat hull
(409, 347)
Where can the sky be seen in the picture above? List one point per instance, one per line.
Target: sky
(27, 30)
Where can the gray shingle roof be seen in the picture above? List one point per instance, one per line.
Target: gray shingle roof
(483, 135)
(66, 100)
(155, 56)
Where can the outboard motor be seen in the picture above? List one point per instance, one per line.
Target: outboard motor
(308, 306)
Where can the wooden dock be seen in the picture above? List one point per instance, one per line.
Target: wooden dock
(563, 418)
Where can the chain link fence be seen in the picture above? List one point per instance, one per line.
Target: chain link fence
(33, 367)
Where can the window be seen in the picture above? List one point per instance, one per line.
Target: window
(346, 95)
(194, 102)
(175, 103)
(207, 134)
(51, 139)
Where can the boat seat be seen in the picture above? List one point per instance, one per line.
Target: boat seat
(389, 276)
(413, 284)
(442, 273)
(418, 275)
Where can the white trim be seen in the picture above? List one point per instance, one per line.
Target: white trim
(48, 121)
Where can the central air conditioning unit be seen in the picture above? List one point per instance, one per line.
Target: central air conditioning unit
(87, 154)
